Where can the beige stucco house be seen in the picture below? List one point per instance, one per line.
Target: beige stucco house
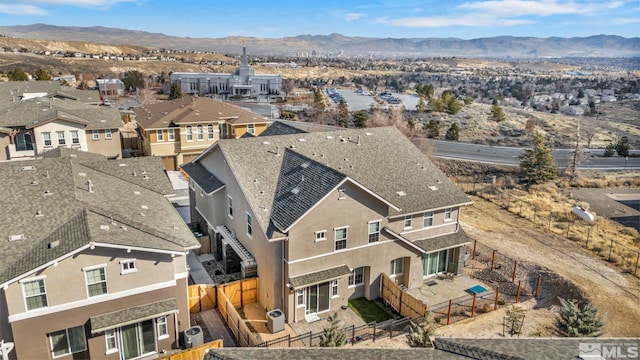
(93, 258)
(323, 215)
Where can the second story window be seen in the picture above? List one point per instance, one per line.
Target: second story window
(321, 235)
(128, 266)
(427, 219)
(35, 293)
(249, 225)
(210, 132)
(189, 130)
(340, 238)
(407, 222)
(230, 206)
(374, 231)
(46, 137)
(96, 281)
(60, 137)
(107, 134)
(95, 134)
(171, 136)
(75, 139)
(251, 129)
(200, 133)
(159, 135)
(447, 214)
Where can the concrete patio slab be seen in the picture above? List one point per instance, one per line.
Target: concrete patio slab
(439, 290)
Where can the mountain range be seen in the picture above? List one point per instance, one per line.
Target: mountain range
(491, 47)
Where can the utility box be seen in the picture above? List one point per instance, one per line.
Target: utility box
(192, 337)
(275, 321)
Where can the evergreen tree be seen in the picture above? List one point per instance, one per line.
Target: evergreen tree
(622, 147)
(537, 165)
(453, 105)
(318, 100)
(419, 334)
(343, 113)
(432, 128)
(497, 113)
(610, 150)
(133, 80)
(42, 75)
(437, 105)
(333, 336)
(453, 133)
(360, 119)
(422, 105)
(575, 322)
(175, 92)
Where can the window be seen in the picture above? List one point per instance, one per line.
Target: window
(128, 266)
(374, 231)
(341, 194)
(251, 129)
(68, 341)
(357, 277)
(340, 238)
(60, 135)
(159, 135)
(200, 133)
(407, 222)
(47, 138)
(299, 297)
(230, 206)
(110, 340)
(163, 330)
(35, 294)
(427, 219)
(96, 281)
(447, 214)
(321, 235)
(334, 288)
(396, 266)
(95, 134)
(24, 143)
(249, 225)
(75, 139)
(210, 132)
(107, 134)
(189, 133)
(171, 136)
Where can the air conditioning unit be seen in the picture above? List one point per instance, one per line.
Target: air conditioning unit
(192, 337)
(275, 321)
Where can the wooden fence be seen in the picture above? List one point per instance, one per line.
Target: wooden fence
(401, 301)
(196, 353)
(201, 297)
(233, 295)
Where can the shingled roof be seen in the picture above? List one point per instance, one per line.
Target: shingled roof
(280, 128)
(55, 206)
(207, 181)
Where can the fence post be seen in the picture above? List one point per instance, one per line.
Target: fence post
(518, 293)
(289, 338)
(586, 246)
(520, 211)
(610, 249)
(515, 267)
(473, 305)
(391, 330)
(310, 338)
(495, 304)
(449, 312)
(568, 229)
(374, 331)
(493, 257)
(241, 300)
(538, 285)
(473, 255)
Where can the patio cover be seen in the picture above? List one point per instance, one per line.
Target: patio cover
(319, 276)
(132, 315)
(444, 242)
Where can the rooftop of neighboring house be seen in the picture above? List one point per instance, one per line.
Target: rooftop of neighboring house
(34, 112)
(54, 206)
(284, 176)
(280, 128)
(12, 91)
(193, 110)
(319, 353)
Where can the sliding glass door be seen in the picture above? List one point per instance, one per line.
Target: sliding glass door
(137, 340)
(317, 298)
(434, 263)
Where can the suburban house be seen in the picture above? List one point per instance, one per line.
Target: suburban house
(179, 130)
(93, 258)
(12, 91)
(324, 214)
(30, 127)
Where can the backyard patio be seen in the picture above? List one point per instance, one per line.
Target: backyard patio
(438, 290)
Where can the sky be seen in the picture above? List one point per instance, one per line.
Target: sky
(465, 19)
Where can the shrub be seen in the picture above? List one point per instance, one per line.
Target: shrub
(419, 334)
(333, 335)
(575, 322)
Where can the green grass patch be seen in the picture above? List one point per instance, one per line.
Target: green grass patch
(368, 310)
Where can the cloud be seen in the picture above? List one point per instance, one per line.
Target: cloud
(102, 4)
(537, 7)
(445, 21)
(21, 10)
(625, 21)
(353, 16)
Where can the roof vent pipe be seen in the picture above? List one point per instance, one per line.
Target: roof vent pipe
(278, 150)
(90, 186)
(358, 139)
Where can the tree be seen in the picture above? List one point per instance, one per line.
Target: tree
(537, 165)
(453, 105)
(419, 334)
(133, 80)
(360, 119)
(610, 150)
(575, 322)
(318, 100)
(343, 113)
(333, 335)
(437, 105)
(622, 146)
(433, 129)
(497, 113)
(422, 105)
(175, 92)
(514, 320)
(17, 74)
(42, 75)
(453, 133)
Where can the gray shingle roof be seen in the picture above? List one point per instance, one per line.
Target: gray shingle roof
(132, 315)
(280, 128)
(444, 241)
(66, 152)
(205, 180)
(346, 352)
(319, 276)
(12, 91)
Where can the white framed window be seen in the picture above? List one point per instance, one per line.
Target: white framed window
(35, 293)
(447, 214)
(111, 343)
(249, 225)
(163, 328)
(159, 136)
(189, 133)
(230, 206)
(210, 133)
(334, 288)
(397, 266)
(107, 134)
(60, 135)
(356, 278)
(171, 135)
(200, 132)
(299, 297)
(128, 266)
(68, 341)
(251, 129)
(427, 219)
(46, 137)
(407, 222)
(340, 236)
(75, 139)
(321, 235)
(374, 231)
(96, 281)
(95, 134)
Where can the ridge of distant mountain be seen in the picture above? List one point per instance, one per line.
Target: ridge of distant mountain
(497, 47)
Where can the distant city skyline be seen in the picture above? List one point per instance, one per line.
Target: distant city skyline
(367, 18)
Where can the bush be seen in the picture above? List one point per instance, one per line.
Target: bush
(419, 334)
(575, 322)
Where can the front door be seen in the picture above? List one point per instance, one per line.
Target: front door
(137, 340)
(317, 298)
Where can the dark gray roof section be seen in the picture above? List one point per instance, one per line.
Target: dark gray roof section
(346, 353)
(301, 184)
(319, 276)
(280, 128)
(132, 315)
(205, 180)
(444, 241)
(247, 135)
